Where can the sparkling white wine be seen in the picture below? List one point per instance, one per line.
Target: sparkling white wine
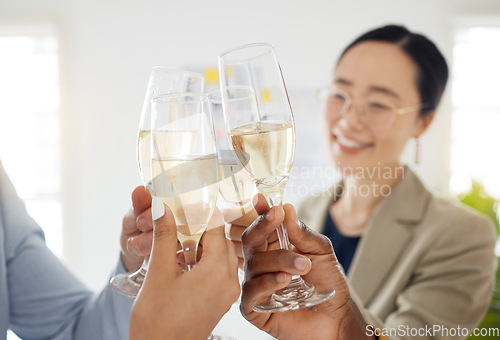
(189, 187)
(171, 143)
(266, 150)
(236, 187)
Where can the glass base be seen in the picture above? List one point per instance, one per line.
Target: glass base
(128, 284)
(298, 294)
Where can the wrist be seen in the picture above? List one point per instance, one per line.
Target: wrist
(352, 325)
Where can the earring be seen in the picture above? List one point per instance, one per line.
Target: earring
(417, 151)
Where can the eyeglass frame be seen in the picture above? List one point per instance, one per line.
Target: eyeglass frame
(361, 112)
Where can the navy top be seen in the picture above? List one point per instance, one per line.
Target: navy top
(344, 246)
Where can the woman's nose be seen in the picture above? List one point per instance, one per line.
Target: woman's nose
(352, 117)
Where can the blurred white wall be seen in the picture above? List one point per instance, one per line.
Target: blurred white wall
(108, 48)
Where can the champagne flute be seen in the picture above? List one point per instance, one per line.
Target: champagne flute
(262, 134)
(185, 167)
(184, 164)
(236, 187)
(162, 80)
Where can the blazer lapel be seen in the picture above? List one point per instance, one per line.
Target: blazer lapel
(386, 236)
(377, 253)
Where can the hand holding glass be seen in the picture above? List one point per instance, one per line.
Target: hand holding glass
(185, 167)
(260, 125)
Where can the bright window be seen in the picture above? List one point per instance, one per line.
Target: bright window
(29, 127)
(476, 109)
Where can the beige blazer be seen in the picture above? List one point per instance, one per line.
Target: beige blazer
(422, 261)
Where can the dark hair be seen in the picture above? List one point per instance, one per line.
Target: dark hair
(432, 67)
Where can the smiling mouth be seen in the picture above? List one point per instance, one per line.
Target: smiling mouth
(350, 144)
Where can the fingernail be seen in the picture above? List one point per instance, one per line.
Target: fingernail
(270, 215)
(139, 222)
(301, 263)
(281, 277)
(158, 208)
(301, 225)
(130, 245)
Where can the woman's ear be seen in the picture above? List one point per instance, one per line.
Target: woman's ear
(423, 124)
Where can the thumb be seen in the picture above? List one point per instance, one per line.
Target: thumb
(163, 259)
(306, 240)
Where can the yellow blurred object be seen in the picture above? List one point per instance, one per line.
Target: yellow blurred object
(266, 96)
(211, 75)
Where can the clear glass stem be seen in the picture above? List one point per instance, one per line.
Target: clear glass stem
(276, 199)
(129, 284)
(190, 249)
(144, 266)
(138, 276)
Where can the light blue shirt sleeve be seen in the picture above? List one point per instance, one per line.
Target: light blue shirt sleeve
(40, 296)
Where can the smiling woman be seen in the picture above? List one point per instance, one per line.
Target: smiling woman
(406, 239)
(410, 259)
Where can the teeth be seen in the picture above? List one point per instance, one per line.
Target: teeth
(349, 143)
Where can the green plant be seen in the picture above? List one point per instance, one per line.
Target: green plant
(479, 199)
(492, 318)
